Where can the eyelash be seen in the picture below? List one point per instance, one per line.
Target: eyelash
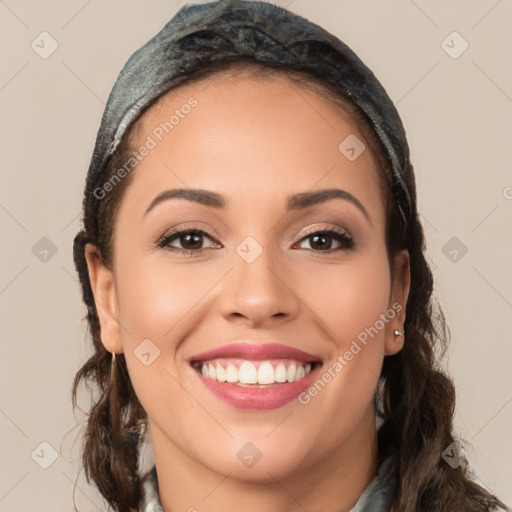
(345, 240)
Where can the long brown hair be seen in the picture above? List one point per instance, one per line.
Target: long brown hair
(415, 399)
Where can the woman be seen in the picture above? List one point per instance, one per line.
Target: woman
(258, 298)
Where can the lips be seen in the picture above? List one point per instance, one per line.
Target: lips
(254, 376)
(256, 352)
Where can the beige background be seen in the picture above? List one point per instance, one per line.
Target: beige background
(458, 116)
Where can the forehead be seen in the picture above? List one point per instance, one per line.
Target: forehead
(241, 136)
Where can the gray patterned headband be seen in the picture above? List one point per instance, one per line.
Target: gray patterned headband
(202, 34)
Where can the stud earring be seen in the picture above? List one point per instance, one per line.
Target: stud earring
(398, 333)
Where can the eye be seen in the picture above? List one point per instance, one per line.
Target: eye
(323, 239)
(189, 239)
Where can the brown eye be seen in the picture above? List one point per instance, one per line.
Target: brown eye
(321, 241)
(190, 241)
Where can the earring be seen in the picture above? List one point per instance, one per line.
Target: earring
(112, 366)
(138, 430)
(398, 333)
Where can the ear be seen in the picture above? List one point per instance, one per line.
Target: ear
(103, 289)
(397, 302)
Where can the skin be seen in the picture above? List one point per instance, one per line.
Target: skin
(255, 143)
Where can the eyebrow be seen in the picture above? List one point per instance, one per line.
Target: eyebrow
(295, 202)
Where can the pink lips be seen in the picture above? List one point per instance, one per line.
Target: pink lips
(257, 398)
(256, 352)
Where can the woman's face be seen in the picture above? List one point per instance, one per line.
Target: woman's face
(258, 275)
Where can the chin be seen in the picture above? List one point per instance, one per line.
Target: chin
(260, 460)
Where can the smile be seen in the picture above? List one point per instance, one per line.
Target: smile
(256, 377)
(252, 373)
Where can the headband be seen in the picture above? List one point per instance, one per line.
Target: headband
(203, 34)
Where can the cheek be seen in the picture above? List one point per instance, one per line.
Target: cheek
(350, 297)
(162, 301)
(157, 308)
(349, 302)
(158, 298)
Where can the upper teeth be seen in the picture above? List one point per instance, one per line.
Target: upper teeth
(261, 372)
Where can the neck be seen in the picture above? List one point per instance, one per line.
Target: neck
(332, 483)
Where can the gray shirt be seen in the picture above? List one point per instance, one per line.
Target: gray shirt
(373, 499)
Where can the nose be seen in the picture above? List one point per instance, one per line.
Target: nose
(260, 293)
